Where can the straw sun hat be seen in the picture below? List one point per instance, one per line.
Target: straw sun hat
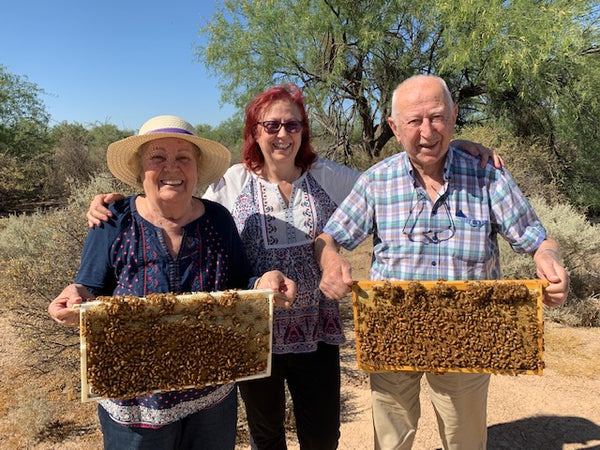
(121, 155)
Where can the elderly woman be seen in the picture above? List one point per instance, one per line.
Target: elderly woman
(167, 240)
(281, 196)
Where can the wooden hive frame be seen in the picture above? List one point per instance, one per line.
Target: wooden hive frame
(132, 346)
(450, 326)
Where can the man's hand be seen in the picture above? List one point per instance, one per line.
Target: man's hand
(61, 309)
(98, 211)
(549, 268)
(284, 287)
(336, 279)
(477, 149)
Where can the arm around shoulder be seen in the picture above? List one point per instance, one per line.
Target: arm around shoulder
(98, 211)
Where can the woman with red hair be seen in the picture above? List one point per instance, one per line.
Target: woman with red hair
(281, 196)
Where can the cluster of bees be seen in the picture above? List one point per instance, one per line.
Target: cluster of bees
(486, 327)
(135, 346)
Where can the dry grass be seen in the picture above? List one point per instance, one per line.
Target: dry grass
(40, 410)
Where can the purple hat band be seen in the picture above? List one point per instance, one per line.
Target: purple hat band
(170, 130)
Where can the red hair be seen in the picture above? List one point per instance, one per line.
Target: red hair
(251, 153)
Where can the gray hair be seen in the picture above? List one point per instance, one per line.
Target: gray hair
(414, 77)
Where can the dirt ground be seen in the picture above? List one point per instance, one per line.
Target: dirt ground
(559, 410)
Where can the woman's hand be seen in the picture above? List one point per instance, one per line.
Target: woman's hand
(284, 287)
(61, 308)
(477, 149)
(98, 211)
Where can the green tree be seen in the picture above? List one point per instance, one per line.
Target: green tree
(101, 136)
(535, 65)
(24, 144)
(23, 116)
(529, 62)
(578, 136)
(228, 133)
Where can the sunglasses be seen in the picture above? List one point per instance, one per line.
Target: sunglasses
(432, 230)
(273, 126)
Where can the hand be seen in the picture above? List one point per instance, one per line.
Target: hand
(476, 149)
(98, 211)
(548, 268)
(61, 308)
(336, 280)
(284, 287)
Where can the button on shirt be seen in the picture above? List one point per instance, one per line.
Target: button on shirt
(453, 238)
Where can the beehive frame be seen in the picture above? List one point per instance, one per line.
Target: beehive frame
(133, 346)
(503, 337)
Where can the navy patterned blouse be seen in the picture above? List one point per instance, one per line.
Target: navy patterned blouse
(129, 256)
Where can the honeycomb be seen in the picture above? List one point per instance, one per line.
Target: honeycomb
(486, 326)
(132, 346)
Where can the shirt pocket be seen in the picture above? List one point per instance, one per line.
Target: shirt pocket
(472, 242)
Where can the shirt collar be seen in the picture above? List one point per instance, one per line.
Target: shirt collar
(447, 165)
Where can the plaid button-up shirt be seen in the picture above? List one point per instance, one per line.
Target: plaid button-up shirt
(453, 238)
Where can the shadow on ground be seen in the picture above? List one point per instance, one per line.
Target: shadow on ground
(545, 433)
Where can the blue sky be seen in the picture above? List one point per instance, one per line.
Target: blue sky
(113, 61)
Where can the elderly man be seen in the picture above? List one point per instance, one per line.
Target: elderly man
(434, 214)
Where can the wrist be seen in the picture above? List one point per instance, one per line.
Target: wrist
(552, 251)
(547, 253)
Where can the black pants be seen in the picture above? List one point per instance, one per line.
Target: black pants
(314, 383)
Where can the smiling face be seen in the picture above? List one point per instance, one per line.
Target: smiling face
(281, 148)
(169, 169)
(423, 119)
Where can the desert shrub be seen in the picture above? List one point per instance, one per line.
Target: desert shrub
(79, 153)
(580, 244)
(73, 163)
(40, 254)
(21, 181)
(32, 415)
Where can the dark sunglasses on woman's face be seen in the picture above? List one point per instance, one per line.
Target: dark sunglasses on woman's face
(273, 126)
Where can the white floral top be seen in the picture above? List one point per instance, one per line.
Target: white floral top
(280, 237)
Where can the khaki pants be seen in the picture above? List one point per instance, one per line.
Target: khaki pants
(459, 401)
